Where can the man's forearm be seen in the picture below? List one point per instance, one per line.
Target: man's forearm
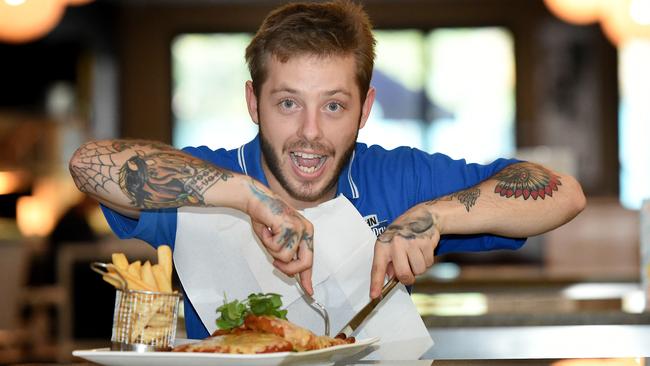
(523, 199)
(147, 175)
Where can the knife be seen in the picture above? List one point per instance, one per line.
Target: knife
(358, 319)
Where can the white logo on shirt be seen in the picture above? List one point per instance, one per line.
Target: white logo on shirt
(377, 226)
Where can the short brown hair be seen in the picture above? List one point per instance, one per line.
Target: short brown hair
(339, 27)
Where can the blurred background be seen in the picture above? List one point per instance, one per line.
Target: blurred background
(565, 83)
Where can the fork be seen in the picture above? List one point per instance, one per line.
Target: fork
(316, 305)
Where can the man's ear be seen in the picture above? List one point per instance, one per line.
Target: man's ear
(251, 102)
(367, 106)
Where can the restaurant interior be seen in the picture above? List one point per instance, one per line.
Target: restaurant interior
(565, 83)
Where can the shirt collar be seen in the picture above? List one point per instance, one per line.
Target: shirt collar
(249, 157)
(347, 185)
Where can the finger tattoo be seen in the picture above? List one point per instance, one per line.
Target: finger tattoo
(309, 240)
(420, 227)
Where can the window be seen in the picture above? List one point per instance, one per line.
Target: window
(634, 126)
(208, 100)
(447, 90)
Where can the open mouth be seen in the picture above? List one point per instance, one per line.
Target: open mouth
(306, 162)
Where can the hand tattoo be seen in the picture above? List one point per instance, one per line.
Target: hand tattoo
(161, 179)
(276, 205)
(289, 236)
(309, 240)
(418, 225)
(526, 180)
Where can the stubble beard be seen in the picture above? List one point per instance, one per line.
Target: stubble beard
(304, 192)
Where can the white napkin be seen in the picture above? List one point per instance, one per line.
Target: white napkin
(216, 253)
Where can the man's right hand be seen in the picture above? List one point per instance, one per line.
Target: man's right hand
(286, 234)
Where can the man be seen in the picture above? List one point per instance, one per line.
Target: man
(310, 94)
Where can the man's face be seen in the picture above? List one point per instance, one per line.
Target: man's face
(309, 111)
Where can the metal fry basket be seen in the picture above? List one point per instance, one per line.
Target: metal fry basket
(143, 321)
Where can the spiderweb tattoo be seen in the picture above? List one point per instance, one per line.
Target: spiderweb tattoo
(96, 167)
(160, 179)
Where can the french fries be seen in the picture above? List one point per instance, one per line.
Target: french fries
(135, 268)
(161, 278)
(147, 276)
(112, 279)
(143, 277)
(144, 317)
(119, 261)
(165, 260)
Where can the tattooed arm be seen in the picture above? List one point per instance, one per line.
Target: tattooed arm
(523, 199)
(131, 175)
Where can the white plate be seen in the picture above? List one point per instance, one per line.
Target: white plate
(104, 356)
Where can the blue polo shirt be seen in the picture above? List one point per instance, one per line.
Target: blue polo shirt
(381, 184)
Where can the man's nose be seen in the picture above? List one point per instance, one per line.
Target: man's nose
(311, 125)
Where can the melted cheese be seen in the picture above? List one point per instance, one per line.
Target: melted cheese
(301, 338)
(264, 334)
(245, 343)
(251, 342)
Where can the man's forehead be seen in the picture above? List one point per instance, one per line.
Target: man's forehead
(285, 88)
(334, 74)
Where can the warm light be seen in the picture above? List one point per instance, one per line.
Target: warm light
(621, 20)
(34, 216)
(619, 26)
(576, 11)
(11, 182)
(28, 20)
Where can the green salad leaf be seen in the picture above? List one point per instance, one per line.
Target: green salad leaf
(233, 313)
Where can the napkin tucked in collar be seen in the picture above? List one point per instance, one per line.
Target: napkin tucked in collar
(217, 254)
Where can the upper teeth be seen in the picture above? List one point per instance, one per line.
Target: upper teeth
(307, 155)
(302, 155)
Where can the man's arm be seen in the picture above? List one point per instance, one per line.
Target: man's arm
(130, 176)
(523, 199)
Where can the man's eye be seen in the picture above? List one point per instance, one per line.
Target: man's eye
(334, 107)
(288, 104)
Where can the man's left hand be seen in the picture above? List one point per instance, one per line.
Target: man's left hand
(405, 249)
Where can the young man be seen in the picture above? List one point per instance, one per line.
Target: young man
(310, 94)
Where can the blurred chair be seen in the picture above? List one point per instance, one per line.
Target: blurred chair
(44, 295)
(602, 243)
(13, 269)
(86, 313)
